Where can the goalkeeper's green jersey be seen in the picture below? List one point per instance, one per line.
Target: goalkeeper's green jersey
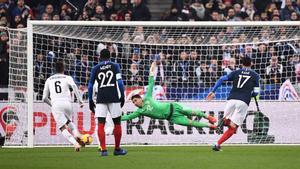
(151, 108)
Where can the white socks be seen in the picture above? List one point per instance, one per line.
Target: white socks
(69, 136)
(73, 129)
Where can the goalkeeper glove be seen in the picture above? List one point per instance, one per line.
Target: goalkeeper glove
(92, 106)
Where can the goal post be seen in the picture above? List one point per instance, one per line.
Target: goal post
(191, 57)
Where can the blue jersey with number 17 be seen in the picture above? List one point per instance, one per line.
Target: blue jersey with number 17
(244, 81)
(107, 74)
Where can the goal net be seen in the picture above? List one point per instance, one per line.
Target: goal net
(190, 56)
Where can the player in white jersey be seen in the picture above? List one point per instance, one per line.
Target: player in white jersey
(57, 87)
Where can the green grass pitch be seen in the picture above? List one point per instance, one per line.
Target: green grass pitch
(189, 157)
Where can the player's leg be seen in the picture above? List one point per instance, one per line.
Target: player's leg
(192, 112)
(70, 137)
(234, 120)
(184, 121)
(61, 121)
(68, 113)
(109, 125)
(228, 111)
(100, 114)
(116, 113)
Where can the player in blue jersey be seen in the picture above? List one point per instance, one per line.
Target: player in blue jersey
(245, 85)
(110, 98)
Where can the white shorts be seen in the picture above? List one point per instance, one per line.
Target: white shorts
(236, 111)
(62, 112)
(113, 108)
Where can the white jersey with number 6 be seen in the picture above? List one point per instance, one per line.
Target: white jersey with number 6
(58, 86)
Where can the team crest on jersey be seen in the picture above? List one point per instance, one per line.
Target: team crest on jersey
(148, 107)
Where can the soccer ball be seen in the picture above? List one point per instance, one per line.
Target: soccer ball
(87, 139)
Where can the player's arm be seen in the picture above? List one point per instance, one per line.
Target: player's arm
(256, 89)
(219, 82)
(75, 90)
(46, 93)
(90, 89)
(130, 116)
(120, 84)
(151, 80)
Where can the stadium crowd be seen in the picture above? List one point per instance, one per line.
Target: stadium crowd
(188, 67)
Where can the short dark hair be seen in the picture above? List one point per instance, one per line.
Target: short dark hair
(60, 66)
(104, 54)
(246, 61)
(136, 96)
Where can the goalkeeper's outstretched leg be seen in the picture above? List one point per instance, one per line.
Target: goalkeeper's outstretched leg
(193, 112)
(184, 121)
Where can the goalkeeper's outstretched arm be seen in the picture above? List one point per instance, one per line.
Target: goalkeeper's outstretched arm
(151, 80)
(130, 116)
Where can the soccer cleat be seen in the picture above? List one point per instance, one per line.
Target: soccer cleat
(77, 147)
(104, 153)
(211, 119)
(78, 139)
(216, 147)
(219, 126)
(120, 152)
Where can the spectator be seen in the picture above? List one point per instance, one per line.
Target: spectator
(56, 17)
(113, 17)
(173, 15)
(181, 68)
(136, 58)
(110, 10)
(199, 8)
(140, 11)
(264, 16)
(90, 7)
(138, 35)
(22, 10)
(287, 10)
(274, 71)
(160, 70)
(66, 13)
(294, 16)
(45, 17)
(98, 15)
(231, 67)
(194, 64)
(39, 75)
(127, 16)
(49, 10)
(134, 76)
(17, 20)
(203, 76)
(124, 10)
(215, 16)
(230, 15)
(248, 8)
(82, 71)
(188, 12)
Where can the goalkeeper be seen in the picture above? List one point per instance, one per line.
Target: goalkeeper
(172, 112)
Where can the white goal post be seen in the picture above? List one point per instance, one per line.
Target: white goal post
(218, 47)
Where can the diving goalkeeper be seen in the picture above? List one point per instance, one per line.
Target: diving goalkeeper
(172, 112)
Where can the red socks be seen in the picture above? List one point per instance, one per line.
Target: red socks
(118, 135)
(101, 136)
(226, 135)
